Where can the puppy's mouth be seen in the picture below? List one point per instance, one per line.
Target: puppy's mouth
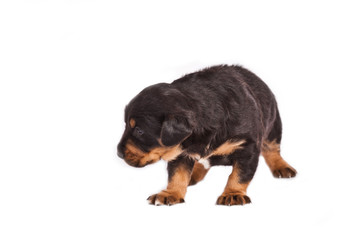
(137, 158)
(138, 164)
(147, 163)
(135, 161)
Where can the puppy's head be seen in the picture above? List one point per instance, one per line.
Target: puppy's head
(156, 124)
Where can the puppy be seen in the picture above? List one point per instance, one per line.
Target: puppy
(222, 115)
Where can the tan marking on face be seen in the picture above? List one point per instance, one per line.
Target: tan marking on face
(133, 154)
(132, 123)
(131, 148)
(137, 157)
(227, 148)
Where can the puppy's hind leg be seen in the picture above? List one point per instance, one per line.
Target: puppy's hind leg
(271, 152)
(245, 162)
(278, 166)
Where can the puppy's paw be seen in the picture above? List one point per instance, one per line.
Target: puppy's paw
(285, 172)
(230, 199)
(165, 198)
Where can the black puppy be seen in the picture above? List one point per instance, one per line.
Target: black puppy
(223, 115)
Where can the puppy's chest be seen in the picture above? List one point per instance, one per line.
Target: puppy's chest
(220, 155)
(211, 160)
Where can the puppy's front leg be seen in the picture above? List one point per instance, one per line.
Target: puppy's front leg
(179, 171)
(245, 162)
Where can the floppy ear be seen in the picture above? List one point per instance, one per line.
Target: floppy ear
(174, 130)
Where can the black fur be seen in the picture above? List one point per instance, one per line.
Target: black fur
(182, 161)
(203, 110)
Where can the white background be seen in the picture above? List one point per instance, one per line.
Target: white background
(68, 68)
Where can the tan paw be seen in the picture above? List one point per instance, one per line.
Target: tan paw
(285, 172)
(165, 198)
(230, 199)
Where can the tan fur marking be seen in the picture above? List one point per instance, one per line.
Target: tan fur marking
(227, 148)
(278, 166)
(132, 123)
(166, 153)
(140, 158)
(171, 153)
(175, 191)
(235, 191)
(132, 153)
(179, 182)
(233, 185)
(270, 146)
(271, 153)
(198, 173)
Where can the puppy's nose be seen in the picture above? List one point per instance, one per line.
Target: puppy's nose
(120, 154)
(120, 148)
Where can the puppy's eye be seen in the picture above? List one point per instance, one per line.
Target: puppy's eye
(138, 131)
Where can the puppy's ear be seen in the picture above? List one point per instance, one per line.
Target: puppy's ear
(174, 130)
